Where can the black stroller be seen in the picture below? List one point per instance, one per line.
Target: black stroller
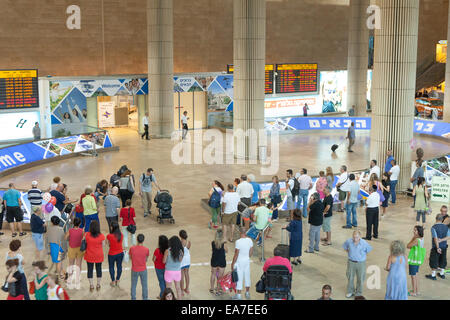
(278, 283)
(163, 202)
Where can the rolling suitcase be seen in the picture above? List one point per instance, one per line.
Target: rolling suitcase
(284, 245)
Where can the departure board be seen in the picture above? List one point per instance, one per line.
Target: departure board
(269, 76)
(19, 89)
(294, 78)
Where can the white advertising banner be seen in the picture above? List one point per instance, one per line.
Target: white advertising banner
(440, 189)
(106, 117)
(17, 125)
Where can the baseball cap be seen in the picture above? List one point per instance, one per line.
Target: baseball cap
(34, 183)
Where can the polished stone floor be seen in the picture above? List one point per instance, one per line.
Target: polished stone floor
(190, 183)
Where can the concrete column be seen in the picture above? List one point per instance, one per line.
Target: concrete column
(92, 112)
(394, 82)
(447, 76)
(142, 109)
(358, 56)
(160, 66)
(249, 46)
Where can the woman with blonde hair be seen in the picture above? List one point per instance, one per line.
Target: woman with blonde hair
(218, 261)
(396, 284)
(330, 177)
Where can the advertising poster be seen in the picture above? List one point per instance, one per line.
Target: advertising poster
(333, 91)
(440, 189)
(288, 107)
(18, 125)
(106, 115)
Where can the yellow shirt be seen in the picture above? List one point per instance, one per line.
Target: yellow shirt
(89, 205)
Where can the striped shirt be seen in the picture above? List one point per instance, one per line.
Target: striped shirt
(35, 197)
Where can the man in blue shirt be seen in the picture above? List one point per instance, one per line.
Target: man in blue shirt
(256, 188)
(351, 136)
(440, 233)
(357, 250)
(14, 213)
(388, 164)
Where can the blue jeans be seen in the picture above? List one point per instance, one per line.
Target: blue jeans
(303, 198)
(275, 212)
(116, 259)
(134, 280)
(162, 283)
(393, 185)
(351, 214)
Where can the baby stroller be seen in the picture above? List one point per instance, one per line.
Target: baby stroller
(163, 202)
(278, 283)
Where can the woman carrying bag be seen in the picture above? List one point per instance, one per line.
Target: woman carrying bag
(127, 216)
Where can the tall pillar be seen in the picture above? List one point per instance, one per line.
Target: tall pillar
(394, 82)
(92, 112)
(142, 109)
(358, 56)
(447, 76)
(249, 46)
(160, 66)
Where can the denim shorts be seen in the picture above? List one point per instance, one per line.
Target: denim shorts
(413, 270)
(186, 267)
(38, 240)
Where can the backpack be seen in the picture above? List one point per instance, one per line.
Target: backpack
(214, 201)
(146, 181)
(296, 189)
(114, 180)
(66, 296)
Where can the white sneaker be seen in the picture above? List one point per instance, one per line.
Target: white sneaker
(247, 295)
(237, 297)
(349, 295)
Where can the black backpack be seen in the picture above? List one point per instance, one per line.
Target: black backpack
(296, 189)
(143, 179)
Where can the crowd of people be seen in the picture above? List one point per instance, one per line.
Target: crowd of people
(239, 206)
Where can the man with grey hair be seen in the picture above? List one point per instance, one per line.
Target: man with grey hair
(327, 214)
(315, 220)
(245, 191)
(440, 234)
(256, 188)
(357, 250)
(112, 207)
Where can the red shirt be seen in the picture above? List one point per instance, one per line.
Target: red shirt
(115, 247)
(75, 237)
(277, 261)
(124, 216)
(94, 250)
(139, 255)
(159, 259)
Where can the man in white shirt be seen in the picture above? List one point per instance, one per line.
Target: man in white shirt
(290, 182)
(343, 187)
(241, 262)
(184, 123)
(375, 169)
(394, 173)
(306, 184)
(372, 213)
(230, 210)
(245, 191)
(352, 203)
(145, 123)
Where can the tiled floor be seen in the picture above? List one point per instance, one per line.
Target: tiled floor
(190, 183)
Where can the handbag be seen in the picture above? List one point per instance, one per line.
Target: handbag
(5, 285)
(382, 198)
(234, 276)
(417, 255)
(131, 228)
(339, 188)
(261, 284)
(226, 283)
(32, 286)
(83, 246)
(130, 186)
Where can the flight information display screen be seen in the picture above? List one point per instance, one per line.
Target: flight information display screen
(19, 89)
(269, 76)
(297, 77)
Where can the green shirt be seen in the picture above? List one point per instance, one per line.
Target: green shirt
(41, 294)
(89, 205)
(262, 215)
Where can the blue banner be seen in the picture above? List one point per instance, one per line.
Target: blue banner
(434, 128)
(15, 156)
(322, 123)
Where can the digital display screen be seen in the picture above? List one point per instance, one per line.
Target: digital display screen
(19, 89)
(268, 77)
(297, 77)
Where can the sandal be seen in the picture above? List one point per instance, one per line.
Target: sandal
(219, 293)
(22, 234)
(91, 289)
(98, 287)
(14, 234)
(326, 244)
(212, 291)
(112, 284)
